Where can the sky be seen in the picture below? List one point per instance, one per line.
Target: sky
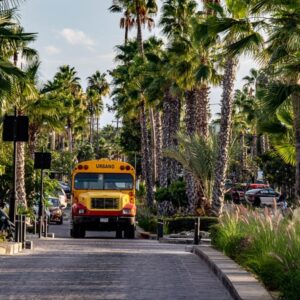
(83, 34)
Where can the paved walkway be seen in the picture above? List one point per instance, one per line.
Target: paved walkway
(96, 268)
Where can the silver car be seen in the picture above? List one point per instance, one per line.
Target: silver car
(261, 197)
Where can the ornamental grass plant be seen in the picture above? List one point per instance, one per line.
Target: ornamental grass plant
(266, 243)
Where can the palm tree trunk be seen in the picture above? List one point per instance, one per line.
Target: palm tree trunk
(296, 110)
(126, 32)
(20, 182)
(153, 143)
(70, 139)
(244, 157)
(263, 144)
(224, 136)
(170, 127)
(158, 130)
(190, 121)
(164, 175)
(174, 126)
(146, 155)
(32, 132)
(97, 138)
(139, 27)
(202, 111)
(53, 139)
(254, 144)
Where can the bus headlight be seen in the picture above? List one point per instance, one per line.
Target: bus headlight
(81, 211)
(126, 211)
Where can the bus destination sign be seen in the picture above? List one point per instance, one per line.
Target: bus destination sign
(105, 166)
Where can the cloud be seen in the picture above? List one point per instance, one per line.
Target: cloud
(52, 50)
(76, 37)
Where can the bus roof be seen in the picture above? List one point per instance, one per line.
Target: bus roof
(104, 165)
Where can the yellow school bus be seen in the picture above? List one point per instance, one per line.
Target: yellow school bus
(103, 198)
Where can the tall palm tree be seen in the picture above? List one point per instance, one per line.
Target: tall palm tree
(22, 93)
(239, 36)
(12, 40)
(97, 88)
(67, 88)
(284, 60)
(127, 21)
(144, 8)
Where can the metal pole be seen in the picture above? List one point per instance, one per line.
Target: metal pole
(45, 225)
(197, 231)
(17, 229)
(41, 207)
(12, 202)
(160, 228)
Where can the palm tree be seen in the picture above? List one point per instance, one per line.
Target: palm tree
(198, 156)
(238, 36)
(66, 87)
(285, 64)
(21, 94)
(97, 88)
(8, 4)
(12, 40)
(127, 21)
(144, 8)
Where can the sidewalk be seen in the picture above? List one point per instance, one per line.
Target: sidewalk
(241, 284)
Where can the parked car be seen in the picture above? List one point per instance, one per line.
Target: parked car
(261, 197)
(66, 188)
(56, 210)
(239, 189)
(60, 193)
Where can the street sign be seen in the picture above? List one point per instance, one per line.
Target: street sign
(42, 160)
(15, 129)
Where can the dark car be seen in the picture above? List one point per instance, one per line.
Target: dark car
(261, 197)
(56, 210)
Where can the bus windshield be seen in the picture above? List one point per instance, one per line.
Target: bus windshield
(99, 181)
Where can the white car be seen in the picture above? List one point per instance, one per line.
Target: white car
(60, 193)
(261, 197)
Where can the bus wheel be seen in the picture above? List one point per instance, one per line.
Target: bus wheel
(77, 231)
(118, 233)
(130, 232)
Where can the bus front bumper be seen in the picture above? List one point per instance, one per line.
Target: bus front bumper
(104, 223)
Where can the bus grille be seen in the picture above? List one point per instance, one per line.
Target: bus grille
(105, 203)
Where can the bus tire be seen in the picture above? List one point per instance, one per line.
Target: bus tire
(118, 233)
(130, 232)
(77, 231)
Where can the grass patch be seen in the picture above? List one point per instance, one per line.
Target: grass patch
(265, 243)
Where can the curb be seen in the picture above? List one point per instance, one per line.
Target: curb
(239, 283)
(144, 234)
(186, 241)
(10, 248)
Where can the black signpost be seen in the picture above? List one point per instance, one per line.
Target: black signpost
(15, 129)
(42, 161)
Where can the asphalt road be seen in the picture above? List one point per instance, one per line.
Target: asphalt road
(102, 267)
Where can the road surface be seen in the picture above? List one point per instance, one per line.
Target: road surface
(101, 267)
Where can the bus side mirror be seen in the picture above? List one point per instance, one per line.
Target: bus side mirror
(137, 185)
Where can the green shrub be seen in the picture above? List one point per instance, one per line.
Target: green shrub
(141, 193)
(146, 219)
(265, 243)
(149, 225)
(178, 224)
(291, 285)
(175, 193)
